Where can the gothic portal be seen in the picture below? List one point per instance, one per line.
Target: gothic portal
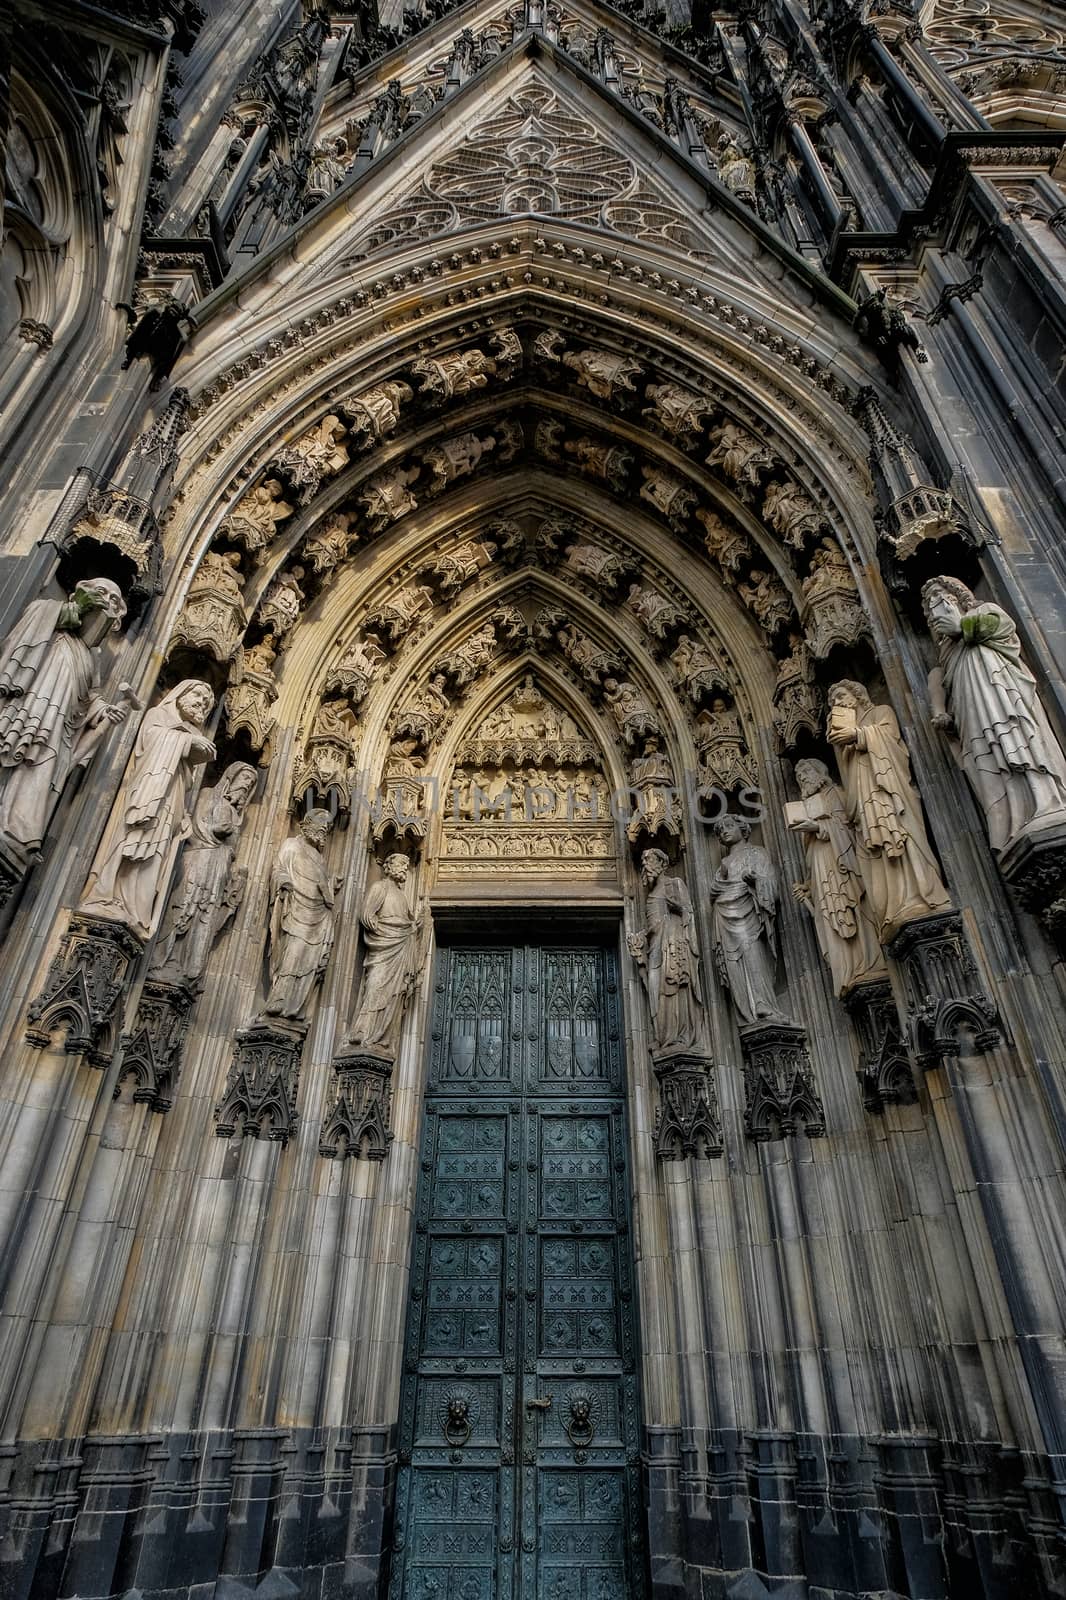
(532, 800)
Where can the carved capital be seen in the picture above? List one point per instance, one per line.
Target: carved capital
(944, 996)
(779, 1088)
(153, 1047)
(687, 1122)
(359, 1108)
(885, 1071)
(1034, 864)
(259, 1100)
(83, 988)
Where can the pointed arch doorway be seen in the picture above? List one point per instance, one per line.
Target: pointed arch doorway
(519, 1421)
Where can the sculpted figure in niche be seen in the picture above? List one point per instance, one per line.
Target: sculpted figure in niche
(739, 454)
(254, 520)
(51, 716)
(208, 891)
(667, 952)
(901, 877)
(833, 891)
(152, 814)
(767, 598)
(392, 933)
(602, 373)
(744, 895)
(984, 692)
(632, 714)
(301, 918)
(696, 667)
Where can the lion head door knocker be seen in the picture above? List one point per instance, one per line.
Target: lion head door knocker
(580, 1422)
(458, 1414)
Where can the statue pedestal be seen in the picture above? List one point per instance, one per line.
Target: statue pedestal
(779, 1090)
(259, 1100)
(83, 988)
(1034, 864)
(687, 1122)
(884, 1066)
(151, 1051)
(14, 865)
(356, 1122)
(944, 996)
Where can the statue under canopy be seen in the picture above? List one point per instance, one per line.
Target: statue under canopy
(301, 917)
(667, 951)
(151, 817)
(51, 715)
(207, 891)
(392, 934)
(901, 876)
(834, 891)
(984, 691)
(744, 895)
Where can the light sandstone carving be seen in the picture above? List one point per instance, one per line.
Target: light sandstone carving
(831, 612)
(319, 454)
(444, 377)
(724, 758)
(393, 936)
(724, 544)
(279, 610)
(983, 693)
(671, 496)
(605, 375)
(325, 548)
(744, 912)
(666, 950)
(208, 890)
(213, 618)
(150, 817)
(833, 891)
(254, 520)
(387, 496)
(741, 457)
(678, 412)
(301, 918)
(792, 513)
(52, 717)
(901, 876)
(374, 414)
(767, 599)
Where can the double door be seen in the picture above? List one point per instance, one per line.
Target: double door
(519, 1418)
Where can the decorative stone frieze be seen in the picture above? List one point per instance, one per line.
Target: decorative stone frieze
(780, 1096)
(83, 988)
(687, 1122)
(259, 1098)
(947, 1010)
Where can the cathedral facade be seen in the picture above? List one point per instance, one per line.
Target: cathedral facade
(533, 800)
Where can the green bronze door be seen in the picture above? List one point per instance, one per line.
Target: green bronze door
(519, 1419)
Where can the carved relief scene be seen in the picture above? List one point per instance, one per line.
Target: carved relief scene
(532, 800)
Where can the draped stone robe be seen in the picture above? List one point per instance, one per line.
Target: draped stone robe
(745, 946)
(392, 934)
(674, 995)
(301, 926)
(1006, 748)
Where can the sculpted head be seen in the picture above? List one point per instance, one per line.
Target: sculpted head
(315, 827)
(100, 594)
(944, 600)
(238, 783)
(194, 700)
(396, 867)
(653, 863)
(731, 829)
(854, 696)
(811, 776)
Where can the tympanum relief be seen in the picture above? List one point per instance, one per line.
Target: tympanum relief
(527, 795)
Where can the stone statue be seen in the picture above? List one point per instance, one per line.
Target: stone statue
(985, 692)
(605, 375)
(833, 891)
(667, 952)
(739, 454)
(152, 815)
(208, 890)
(301, 917)
(744, 895)
(901, 877)
(392, 933)
(767, 598)
(633, 715)
(725, 760)
(254, 520)
(51, 716)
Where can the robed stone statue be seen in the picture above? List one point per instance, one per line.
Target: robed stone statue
(51, 715)
(301, 918)
(207, 891)
(151, 817)
(744, 894)
(667, 952)
(833, 891)
(985, 693)
(901, 876)
(393, 939)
